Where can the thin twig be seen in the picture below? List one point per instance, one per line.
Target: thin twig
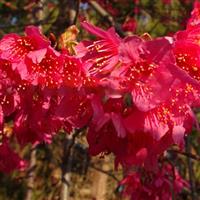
(105, 172)
(68, 14)
(107, 16)
(73, 11)
(190, 169)
(187, 154)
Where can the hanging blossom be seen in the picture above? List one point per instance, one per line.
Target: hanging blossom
(37, 84)
(133, 104)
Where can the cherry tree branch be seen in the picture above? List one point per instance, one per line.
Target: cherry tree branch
(67, 163)
(68, 14)
(106, 16)
(187, 154)
(105, 172)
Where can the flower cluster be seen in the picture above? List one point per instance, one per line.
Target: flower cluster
(135, 96)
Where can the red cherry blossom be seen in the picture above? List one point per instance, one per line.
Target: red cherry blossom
(106, 130)
(186, 50)
(14, 47)
(73, 72)
(43, 68)
(142, 150)
(36, 122)
(144, 71)
(9, 98)
(162, 119)
(101, 54)
(135, 97)
(74, 108)
(153, 115)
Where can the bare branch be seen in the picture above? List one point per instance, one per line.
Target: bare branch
(67, 163)
(187, 154)
(103, 171)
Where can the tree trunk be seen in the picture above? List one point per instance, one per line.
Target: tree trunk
(99, 186)
(31, 175)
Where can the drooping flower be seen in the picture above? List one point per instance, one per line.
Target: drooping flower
(161, 120)
(106, 130)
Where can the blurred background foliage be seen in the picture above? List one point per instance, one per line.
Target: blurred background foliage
(157, 17)
(88, 178)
